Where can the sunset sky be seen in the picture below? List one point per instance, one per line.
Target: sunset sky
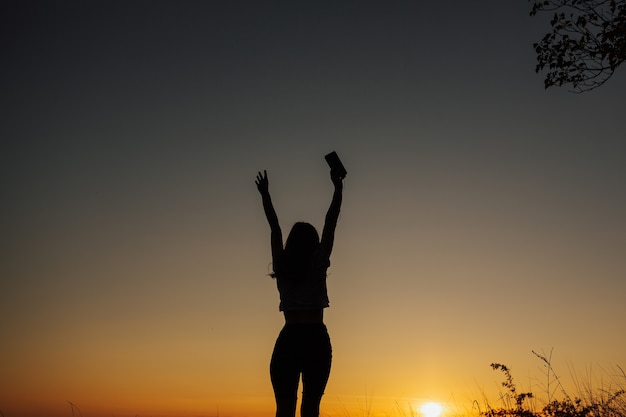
(483, 216)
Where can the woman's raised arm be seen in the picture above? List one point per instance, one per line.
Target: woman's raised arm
(276, 239)
(328, 233)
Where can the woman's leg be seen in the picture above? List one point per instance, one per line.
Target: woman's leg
(315, 372)
(286, 407)
(285, 374)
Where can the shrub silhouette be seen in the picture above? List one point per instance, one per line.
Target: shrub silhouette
(603, 402)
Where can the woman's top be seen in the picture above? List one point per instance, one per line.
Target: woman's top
(307, 291)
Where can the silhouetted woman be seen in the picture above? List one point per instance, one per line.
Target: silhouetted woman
(303, 345)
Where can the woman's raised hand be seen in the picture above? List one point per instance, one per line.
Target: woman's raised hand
(336, 178)
(262, 184)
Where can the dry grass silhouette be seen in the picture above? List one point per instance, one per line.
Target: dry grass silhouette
(607, 400)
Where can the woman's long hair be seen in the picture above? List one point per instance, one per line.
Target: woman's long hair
(298, 257)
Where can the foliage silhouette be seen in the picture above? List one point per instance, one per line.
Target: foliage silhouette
(606, 403)
(586, 45)
(518, 410)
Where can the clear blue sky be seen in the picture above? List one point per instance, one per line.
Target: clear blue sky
(483, 216)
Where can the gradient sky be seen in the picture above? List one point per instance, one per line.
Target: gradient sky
(483, 216)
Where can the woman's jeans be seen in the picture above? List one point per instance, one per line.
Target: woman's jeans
(301, 348)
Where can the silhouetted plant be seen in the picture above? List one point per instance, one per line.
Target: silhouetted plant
(510, 410)
(601, 403)
(587, 42)
(74, 407)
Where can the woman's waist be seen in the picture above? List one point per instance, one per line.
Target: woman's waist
(304, 316)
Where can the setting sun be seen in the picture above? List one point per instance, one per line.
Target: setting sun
(431, 409)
